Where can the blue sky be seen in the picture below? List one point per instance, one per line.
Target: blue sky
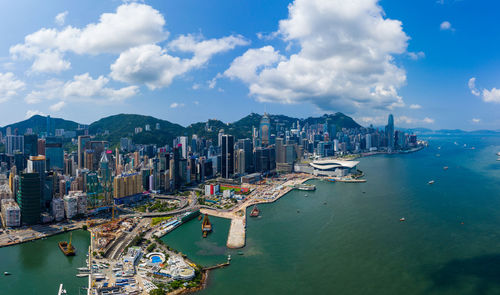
(431, 63)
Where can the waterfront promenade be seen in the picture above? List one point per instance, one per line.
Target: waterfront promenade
(261, 194)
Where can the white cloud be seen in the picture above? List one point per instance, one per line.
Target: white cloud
(413, 121)
(415, 106)
(131, 25)
(476, 120)
(472, 86)
(155, 67)
(446, 25)
(9, 86)
(416, 55)
(31, 113)
(196, 102)
(176, 105)
(196, 86)
(345, 58)
(57, 106)
(61, 18)
(492, 95)
(80, 88)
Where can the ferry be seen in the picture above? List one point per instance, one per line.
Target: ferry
(431, 182)
(255, 211)
(206, 226)
(331, 179)
(66, 247)
(305, 187)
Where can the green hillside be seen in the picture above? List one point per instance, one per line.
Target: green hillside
(39, 124)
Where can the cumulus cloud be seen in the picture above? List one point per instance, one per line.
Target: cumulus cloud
(9, 86)
(61, 18)
(413, 121)
(416, 55)
(57, 106)
(472, 86)
(415, 106)
(476, 120)
(345, 58)
(446, 25)
(131, 25)
(492, 95)
(80, 88)
(176, 105)
(31, 113)
(156, 67)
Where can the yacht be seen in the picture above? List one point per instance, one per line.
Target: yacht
(431, 182)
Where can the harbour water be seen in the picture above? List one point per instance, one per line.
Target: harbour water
(356, 244)
(39, 267)
(353, 244)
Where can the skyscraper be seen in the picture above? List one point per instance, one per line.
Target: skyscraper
(28, 198)
(31, 144)
(265, 125)
(14, 143)
(227, 156)
(82, 140)
(54, 153)
(389, 130)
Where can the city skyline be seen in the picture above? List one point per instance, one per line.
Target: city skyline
(64, 63)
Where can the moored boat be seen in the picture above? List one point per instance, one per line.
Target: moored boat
(66, 247)
(206, 226)
(255, 211)
(305, 187)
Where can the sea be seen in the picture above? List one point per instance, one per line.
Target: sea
(343, 238)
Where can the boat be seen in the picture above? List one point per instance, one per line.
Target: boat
(200, 217)
(6, 273)
(67, 248)
(498, 154)
(229, 257)
(305, 195)
(498, 159)
(331, 179)
(240, 253)
(83, 268)
(431, 182)
(305, 187)
(82, 275)
(255, 211)
(402, 219)
(206, 226)
(445, 168)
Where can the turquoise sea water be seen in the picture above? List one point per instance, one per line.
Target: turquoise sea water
(39, 267)
(355, 244)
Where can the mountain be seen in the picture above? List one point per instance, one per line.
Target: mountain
(123, 125)
(39, 124)
(114, 127)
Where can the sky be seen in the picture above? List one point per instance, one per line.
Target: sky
(433, 64)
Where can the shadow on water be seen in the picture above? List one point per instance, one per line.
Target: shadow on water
(482, 272)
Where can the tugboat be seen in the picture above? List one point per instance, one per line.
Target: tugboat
(66, 247)
(206, 226)
(255, 211)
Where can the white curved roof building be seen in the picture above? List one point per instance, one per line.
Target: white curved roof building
(329, 167)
